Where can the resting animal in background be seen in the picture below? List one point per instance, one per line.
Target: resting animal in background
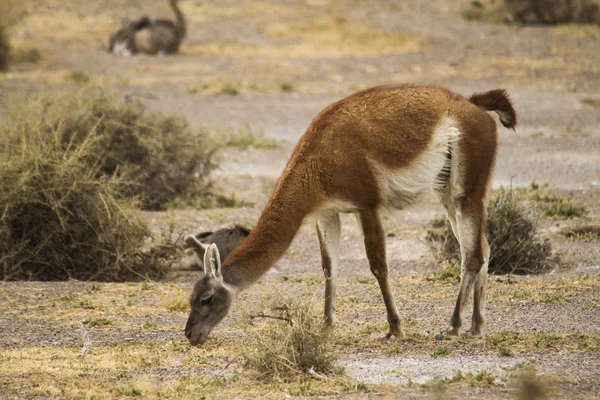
(150, 36)
(226, 239)
(377, 149)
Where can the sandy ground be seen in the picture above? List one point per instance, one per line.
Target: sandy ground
(553, 76)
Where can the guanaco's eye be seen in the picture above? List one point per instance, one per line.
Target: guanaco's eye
(207, 299)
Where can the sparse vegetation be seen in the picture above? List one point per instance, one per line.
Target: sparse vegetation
(79, 77)
(585, 234)
(440, 351)
(287, 86)
(512, 235)
(291, 343)
(25, 55)
(560, 208)
(229, 89)
(96, 322)
(209, 202)
(484, 378)
(245, 138)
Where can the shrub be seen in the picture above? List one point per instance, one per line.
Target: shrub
(533, 12)
(292, 342)
(512, 235)
(153, 157)
(59, 220)
(4, 48)
(11, 11)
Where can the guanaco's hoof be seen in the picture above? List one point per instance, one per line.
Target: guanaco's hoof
(471, 335)
(392, 337)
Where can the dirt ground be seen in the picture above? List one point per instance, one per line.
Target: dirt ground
(287, 60)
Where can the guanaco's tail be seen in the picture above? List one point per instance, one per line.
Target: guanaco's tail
(497, 100)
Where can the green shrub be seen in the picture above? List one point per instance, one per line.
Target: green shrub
(546, 12)
(153, 157)
(512, 235)
(292, 342)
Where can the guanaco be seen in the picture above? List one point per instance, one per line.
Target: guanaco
(380, 148)
(226, 239)
(150, 36)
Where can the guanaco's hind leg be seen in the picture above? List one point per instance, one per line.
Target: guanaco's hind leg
(468, 220)
(375, 247)
(328, 231)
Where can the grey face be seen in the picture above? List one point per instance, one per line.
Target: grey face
(210, 302)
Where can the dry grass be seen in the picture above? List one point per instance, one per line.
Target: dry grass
(586, 234)
(292, 343)
(59, 221)
(320, 36)
(155, 158)
(549, 12)
(162, 364)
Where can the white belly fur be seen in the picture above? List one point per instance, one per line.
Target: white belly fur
(400, 188)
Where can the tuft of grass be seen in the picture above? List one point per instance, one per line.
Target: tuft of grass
(449, 272)
(229, 89)
(96, 322)
(439, 351)
(287, 87)
(458, 377)
(585, 234)
(484, 378)
(245, 138)
(472, 14)
(292, 341)
(504, 350)
(25, 55)
(79, 77)
(512, 235)
(209, 202)
(179, 303)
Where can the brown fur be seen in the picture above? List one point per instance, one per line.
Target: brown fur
(497, 100)
(226, 239)
(159, 36)
(339, 161)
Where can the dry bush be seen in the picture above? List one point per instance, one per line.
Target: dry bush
(512, 235)
(153, 157)
(293, 342)
(11, 11)
(547, 12)
(59, 220)
(4, 48)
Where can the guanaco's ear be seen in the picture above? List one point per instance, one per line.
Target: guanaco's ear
(199, 248)
(212, 261)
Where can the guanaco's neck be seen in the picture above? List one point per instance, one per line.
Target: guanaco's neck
(181, 28)
(274, 231)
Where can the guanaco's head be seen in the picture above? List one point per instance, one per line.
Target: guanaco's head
(210, 301)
